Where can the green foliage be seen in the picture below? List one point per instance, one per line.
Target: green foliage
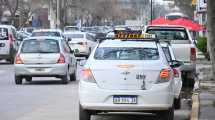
(202, 44)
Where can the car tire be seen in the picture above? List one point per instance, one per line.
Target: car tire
(84, 114)
(65, 78)
(167, 114)
(73, 76)
(18, 80)
(28, 79)
(177, 103)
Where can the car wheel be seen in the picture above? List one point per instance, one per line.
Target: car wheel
(18, 80)
(177, 103)
(73, 76)
(65, 78)
(167, 114)
(28, 79)
(84, 114)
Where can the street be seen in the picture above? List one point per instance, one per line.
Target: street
(47, 99)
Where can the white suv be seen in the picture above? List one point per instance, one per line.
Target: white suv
(8, 44)
(127, 76)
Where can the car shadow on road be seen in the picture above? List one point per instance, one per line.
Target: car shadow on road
(46, 82)
(125, 117)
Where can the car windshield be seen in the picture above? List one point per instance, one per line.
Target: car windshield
(74, 35)
(126, 53)
(40, 46)
(3, 34)
(169, 34)
(54, 34)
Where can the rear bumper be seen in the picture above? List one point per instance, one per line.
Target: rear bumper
(159, 97)
(41, 70)
(5, 56)
(188, 67)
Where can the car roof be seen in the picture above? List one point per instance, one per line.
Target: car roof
(166, 26)
(75, 32)
(44, 37)
(7, 26)
(47, 30)
(128, 43)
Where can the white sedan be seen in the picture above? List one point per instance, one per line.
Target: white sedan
(127, 76)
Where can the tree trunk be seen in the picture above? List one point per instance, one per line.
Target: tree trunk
(211, 31)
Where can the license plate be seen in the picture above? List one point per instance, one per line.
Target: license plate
(39, 69)
(128, 99)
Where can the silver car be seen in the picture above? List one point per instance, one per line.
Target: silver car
(45, 57)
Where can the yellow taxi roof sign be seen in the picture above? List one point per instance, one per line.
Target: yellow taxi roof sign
(122, 34)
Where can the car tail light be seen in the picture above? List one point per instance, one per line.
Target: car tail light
(87, 76)
(176, 73)
(61, 59)
(11, 40)
(164, 73)
(164, 76)
(193, 54)
(19, 60)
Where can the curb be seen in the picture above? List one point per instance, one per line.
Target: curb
(195, 107)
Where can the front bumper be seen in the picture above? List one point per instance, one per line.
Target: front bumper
(159, 97)
(40, 70)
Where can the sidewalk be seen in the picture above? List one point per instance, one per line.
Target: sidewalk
(204, 93)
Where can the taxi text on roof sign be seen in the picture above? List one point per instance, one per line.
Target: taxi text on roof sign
(122, 34)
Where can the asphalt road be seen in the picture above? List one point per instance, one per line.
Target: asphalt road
(47, 99)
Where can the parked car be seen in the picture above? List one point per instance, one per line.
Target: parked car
(48, 32)
(71, 28)
(8, 43)
(183, 47)
(45, 57)
(82, 41)
(168, 51)
(127, 75)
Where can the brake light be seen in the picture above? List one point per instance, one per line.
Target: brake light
(87, 76)
(176, 73)
(193, 54)
(18, 60)
(11, 39)
(164, 73)
(61, 59)
(87, 73)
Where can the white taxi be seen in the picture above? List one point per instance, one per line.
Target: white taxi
(127, 75)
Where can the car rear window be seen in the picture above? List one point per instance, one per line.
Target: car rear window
(40, 46)
(3, 34)
(54, 34)
(126, 53)
(74, 35)
(169, 34)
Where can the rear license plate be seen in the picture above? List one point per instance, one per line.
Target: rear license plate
(125, 99)
(39, 69)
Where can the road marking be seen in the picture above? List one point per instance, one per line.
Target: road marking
(195, 107)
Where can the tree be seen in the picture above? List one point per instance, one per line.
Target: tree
(12, 6)
(185, 6)
(211, 32)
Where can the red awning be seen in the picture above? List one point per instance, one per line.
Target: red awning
(160, 21)
(189, 24)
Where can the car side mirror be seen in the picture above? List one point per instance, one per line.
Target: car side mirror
(82, 62)
(175, 63)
